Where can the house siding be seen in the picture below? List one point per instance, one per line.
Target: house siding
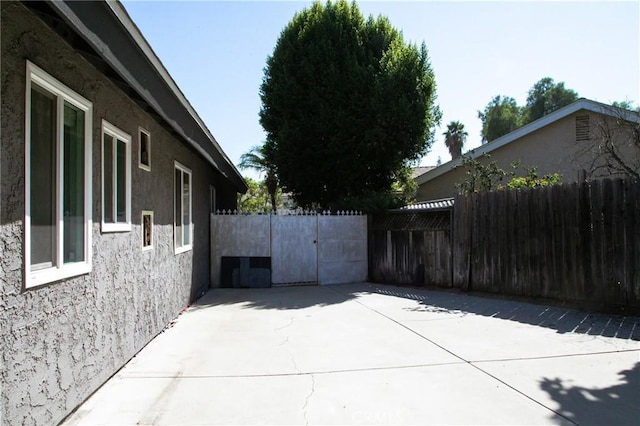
(552, 149)
(62, 340)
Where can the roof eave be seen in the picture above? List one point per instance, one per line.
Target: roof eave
(108, 29)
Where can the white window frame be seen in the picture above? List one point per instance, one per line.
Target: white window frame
(117, 135)
(177, 239)
(143, 166)
(59, 270)
(142, 215)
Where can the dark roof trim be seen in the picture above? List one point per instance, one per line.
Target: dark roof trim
(109, 30)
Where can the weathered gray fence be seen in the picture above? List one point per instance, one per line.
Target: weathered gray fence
(261, 250)
(411, 247)
(572, 242)
(575, 242)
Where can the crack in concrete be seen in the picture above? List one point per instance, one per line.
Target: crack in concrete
(285, 326)
(306, 400)
(295, 366)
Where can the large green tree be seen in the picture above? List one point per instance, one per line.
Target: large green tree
(259, 158)
(545, 97)
(626, 104)
(257, 199)
(346, 104)
(454, 138)
(501, 116)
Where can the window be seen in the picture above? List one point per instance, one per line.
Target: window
(116, 179)
(147, 230)
(212, 199)
(144, 139)
(57, 180)
(183, 228)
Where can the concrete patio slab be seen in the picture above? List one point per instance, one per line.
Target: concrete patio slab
(455, 394)
(374, 354)
(597, 389)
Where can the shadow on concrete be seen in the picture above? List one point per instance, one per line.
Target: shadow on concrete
(563, 320)
(293, 297)
(615, 405)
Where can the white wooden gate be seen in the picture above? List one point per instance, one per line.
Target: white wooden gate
(294, 249)
(323, 249)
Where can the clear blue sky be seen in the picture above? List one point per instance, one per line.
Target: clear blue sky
(216, 52)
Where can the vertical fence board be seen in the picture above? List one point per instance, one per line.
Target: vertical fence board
(586, 240)
(533, 259)
(607, 242)
(537, 248)
(598, 272)
(618, 249)
(492, 242)
(503, 242)
(512, 278)
(523, 232)
(484, 240)
(631, 211)
(633, 206)
(548, 268)
(571, 241)
(460, 237)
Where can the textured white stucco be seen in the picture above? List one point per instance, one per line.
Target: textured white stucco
(59, 342)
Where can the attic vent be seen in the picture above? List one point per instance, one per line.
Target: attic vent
(582, 128)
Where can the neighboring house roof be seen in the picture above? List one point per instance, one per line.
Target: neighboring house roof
(580, 104)
(418, 171)
(105, 35)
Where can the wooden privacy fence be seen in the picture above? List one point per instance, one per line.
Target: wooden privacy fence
(411, 247)
(573, 242)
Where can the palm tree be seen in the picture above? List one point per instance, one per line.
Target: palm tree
(454, 138)
(258, 158)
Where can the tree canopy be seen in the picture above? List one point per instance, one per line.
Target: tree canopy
(545, 97)
(502, 114)
(626, 104)
(260, 159)
(346, 105)
(257, 198)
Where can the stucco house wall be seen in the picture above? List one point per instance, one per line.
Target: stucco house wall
(551, 148)
(60, 341)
